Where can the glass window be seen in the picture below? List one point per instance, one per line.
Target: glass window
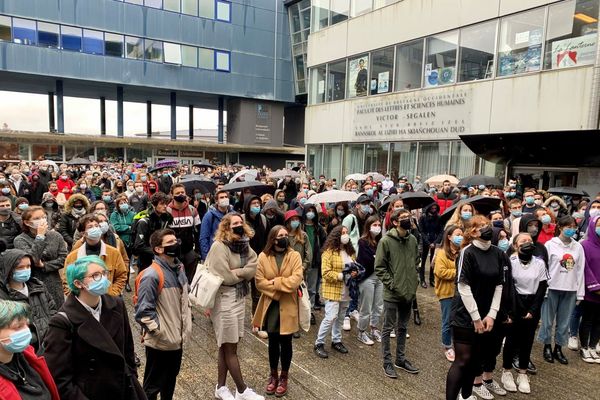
(134, 47)
(138, 154)
(294, 15)
(70, 38)
(46, 152)
(463, 160)
(189, 7)
(207, 9)
(520, 45)
(138, 2)
(172, 53)
(113, 45)
(172, 5)
(110, 154)
(440, 66)
(189, 56)
(376, 157)
(48, 35)
(353, 159)
(571, 36)
(433, 158)
(361, 7)
(24, 31)
(358, 76)
(5, 35)
(477, 45)
(153, 3)
(409, 65)
(314, 155)
(336, 80)
(93, 42)
(382, 71)
(153, 50)
(320, 14)
(403, 159)
(340, 10)
(206, 58)
(222, 61)
(82, 151)
(223, 11)
(317, 85)
(10, 151)
(332, 161)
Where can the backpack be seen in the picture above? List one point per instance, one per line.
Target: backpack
(138, 279)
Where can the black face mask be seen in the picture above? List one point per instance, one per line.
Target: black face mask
(486, 233)
(173, 250)
(405, 224)
(282, 243)
(78, 206)
(498, 223)
(181, 198)
(526, 251)
(238, 230)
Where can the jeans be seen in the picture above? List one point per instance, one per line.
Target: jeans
(371, 302)
(396, 315)
(575, 321)
(353, 305)
(558, 305)
(160, 374)
(446, 307)
(312, 276)
(519, 341)
(334, 317)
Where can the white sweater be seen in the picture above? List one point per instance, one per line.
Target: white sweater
(566, 266)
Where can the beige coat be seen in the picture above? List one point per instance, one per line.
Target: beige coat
(284, 289)
(223, 262)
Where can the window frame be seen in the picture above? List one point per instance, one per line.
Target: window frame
(83, 40)
(35, 33)
(113, 41)
(216, 66)
(62, 42)
(229, 5)
(46, 46)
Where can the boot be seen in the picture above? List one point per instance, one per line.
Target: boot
(282, 386)
(558, 355)
(417, 317)
(548, 353)
(272, 384)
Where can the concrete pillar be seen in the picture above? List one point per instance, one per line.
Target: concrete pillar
(191, 121)
(120, 125)
(173, 116)
(51, 121)
(148, 119)
(103, 116)
(60, 109)
(221, 126)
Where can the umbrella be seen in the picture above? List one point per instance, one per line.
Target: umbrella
(377, 177)
(238, 165)
(49, 163)
(246, 173)
(568, 191)
(79, 161)
(256, 187)
(387, 201)
(332, 196)
(282, 173)
(356, 177)
(166, 164)
(476, 180)
(416, 200)
(437, 180)
(482, 204)
(192, 182)
(203, 165)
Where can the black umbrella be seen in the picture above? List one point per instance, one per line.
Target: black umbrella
(387, 201)
(193, 182)
(482, 204)
(79, 161)
(568, 191)
(257, 188)
(204, 165)
(476, 180)
(416, 200)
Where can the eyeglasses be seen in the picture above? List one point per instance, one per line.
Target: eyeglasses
(98, 275)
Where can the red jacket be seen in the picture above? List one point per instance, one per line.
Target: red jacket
(445, 200)
(8, 391)
(69, 184)
(546, 233)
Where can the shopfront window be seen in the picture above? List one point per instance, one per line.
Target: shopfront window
(110, 154)
(462, 161)
(520, 48)
(358, 76)
(332, 161)
(317, 84)
(320, 14)
(353, 159)
(571, 34)
(13, 151)
(409, 65)
(336, 81)
(376, 157)
(360, 7)
(433, 158)
(382, 71)
(477, 47)
(138, 154)
(440, 65)
(79, 152)
(48, 35)
(340, 9)
(315, 159)
(70, 38)
(46, 152)
(403, 160)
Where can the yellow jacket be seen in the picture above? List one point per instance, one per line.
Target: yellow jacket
(445, 275)
(331, 269)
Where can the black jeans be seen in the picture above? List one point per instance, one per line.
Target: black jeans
(519, 341)
(160, 375)
(190, 263)
(427, 251)
(396, 316)
(589, 329)
(491, 346)
(280, 347)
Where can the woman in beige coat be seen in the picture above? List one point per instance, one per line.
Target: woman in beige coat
(278, 277)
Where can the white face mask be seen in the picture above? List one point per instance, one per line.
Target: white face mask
(594, 212)
(345, 238)
(139, 189)
(35, 223)
(224, 203)
(375, 230)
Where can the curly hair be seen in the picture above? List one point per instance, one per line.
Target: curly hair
(472, 225)
(225, 233)
(334, 241)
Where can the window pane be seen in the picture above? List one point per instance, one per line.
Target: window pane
(93, 42)
(409, 65)
(224, 11)
(207, 58)
(5, 35)
(189, 7)
(113, 45)
(340, 9)
(207, 9)
(404, 156)
(24, 31)
(317, 85)
(332, 165)
(138, 154)
(172, 53)
(299, 63)
(134, 47)
(314, 155)
(336, 81)
(70, 38)
(571, 36)
(46, 152)
(294, 15)
(222, 62)
(358, 76)
(82, 151)
(521, 43)
(139, 2)
(441, 59)
(382, 71)
(361, 7)
(172, 5)
(433, 159)
(48, 35)
(353, 159)
(477, 51)
(320, 14)
(376, 157)
(153, 3)
(109, 154)
(462, 162)
(153, 50)
(189, 56)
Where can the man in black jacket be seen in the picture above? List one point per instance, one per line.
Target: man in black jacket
(158, 218)
(431, 233)
(10, 223)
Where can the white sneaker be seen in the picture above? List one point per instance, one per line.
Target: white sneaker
(355, 315)
(407, 335)
(586, 356)
(508, 381)
(495, 388)
(393, 333)
(223, 393)
(376, 335)
(482, 392)
(598, 348)
(573, 343)
(365, 339)
(346, 325)
(523, 383)
(594, 355)
(248, 394)
(471, 397)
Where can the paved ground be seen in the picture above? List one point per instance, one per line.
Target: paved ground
(358, 375)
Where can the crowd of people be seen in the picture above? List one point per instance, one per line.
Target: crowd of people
(75, 238)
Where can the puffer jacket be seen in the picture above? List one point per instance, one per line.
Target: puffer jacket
(67, 224)
(10, 229)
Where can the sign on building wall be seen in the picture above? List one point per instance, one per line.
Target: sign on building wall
(263, 123)
(574, 51)
(404, 117)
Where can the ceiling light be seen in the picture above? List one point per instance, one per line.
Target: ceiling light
(585, 18)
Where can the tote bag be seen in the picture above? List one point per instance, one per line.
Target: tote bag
(204, 287)
(303, 307)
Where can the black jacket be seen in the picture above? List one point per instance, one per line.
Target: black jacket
(144, 228)
(10, 229)
(258, 223)
(430, 226)
(540, 249)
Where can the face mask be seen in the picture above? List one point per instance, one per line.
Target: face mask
(303, 200)
(174, 250)
(310, 215)
(366, 209)
(503, 244)
(598, 231)
(516, 213)
(106, 198)
(18, 341)
(345, 238)
(63, 177)
(144, 178)
(238, 230)
(94, 233)
(49, 204)
(280, 200)
(546, 219)
(282, 243)
(294, 224)
(375, 230)
(124, 207)
(23, 206)
(340, 213)
(466, 215)
(486, 233)
(5, 190)
(529, 200)
(507, 194)
(464, 197)
(369, 192)
(401, 185)
(21, 275)
(569, 232)
(498, 223)
(532, 230)
(255, 210)
(555, 206)
(4, 212)
(104, 227)
(36, 223)
(405, 224)
(578, 215)
(139, 189)
(270, 216)
(99, 288)
(16, 177)
(457, 240)
(224, 203)
(527, 249)
(594, 212)
(538, 202)
(82, 187)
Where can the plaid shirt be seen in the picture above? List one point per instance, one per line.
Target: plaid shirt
(331, 268)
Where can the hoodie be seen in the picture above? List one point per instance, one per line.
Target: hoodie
(430, 225)
(583, 226)
(278, 216)
(283, 207)
(562, 206)
(52, 213)
(208, 228)
(257, 222)
(540, 250)
(67, 224)
(185, 223)
(591, 249)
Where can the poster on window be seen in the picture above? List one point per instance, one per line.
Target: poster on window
(438, 76)
(358, 79)
(574, 51)
(383, 82)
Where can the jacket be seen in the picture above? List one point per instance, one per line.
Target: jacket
(8, 391)
(145, 227)
(258, 223)
(332, 266)
(591, 249)
(222, 262)
(185, 223)
(165, 317)
(52, 213)
(445, 200)
(284, 290)
(208, 228)
(90, 359)
(122, 222)
(430, 226)
(138, 202)
(65, 187)
(303, 249)
(10, 229)
(396, 263)
(277, 218)
(540, 249)
(445, 275)
(67, 224)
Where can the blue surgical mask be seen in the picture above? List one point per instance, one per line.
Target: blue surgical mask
(457, 240)
(19, 341)
(255, 210)
(21, 275)
(366, 209)
(340, 213)
(466, 215)
(546, 219)
(503, 244)
(99, 288)
(598, 231)
(124, 207)
(516, 213)
(529, 200)
(369, 192)
(310, 215)
(303, 200)
(104, 227)
(94, 233)
(106, 198)
(23, 206)
(464, 196)
(569, 232)
(294, 224)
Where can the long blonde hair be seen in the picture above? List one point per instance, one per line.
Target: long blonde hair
(225, 233)
(456, 218)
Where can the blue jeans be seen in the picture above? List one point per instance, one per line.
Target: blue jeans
(446, 306)
(557, 305)
(371, 302)
(333, 320)
(575, 321)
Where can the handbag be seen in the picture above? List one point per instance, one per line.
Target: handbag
(204, 287)
(303, 307)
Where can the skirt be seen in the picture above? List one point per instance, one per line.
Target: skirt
(227, 316)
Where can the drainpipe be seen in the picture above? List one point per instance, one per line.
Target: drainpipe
(594, 112)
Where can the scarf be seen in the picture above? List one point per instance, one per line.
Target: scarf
(480, 244)
(240, 247)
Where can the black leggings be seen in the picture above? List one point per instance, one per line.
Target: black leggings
(589, 330)
(519, 341)
(280, 346)
(467, 363)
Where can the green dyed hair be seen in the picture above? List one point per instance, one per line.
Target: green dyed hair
(12, 310)
(78, 270)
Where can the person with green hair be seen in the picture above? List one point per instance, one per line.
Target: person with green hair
(89, 344)
(23, 375)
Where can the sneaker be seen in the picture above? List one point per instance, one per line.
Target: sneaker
(523, 383)
(248, 394)
(376, 335)
(598, 348)
(296, 335)
(594, 355)
(493, 387)
(407, 335)
(346, 325)
(339, 346)
(573, 343)
(508, 381)
(365, 339)
(586, 356)
(223, 393)
(389, 371)
(449, 353)
(355, 315)
(482, 392)
(393, 333)
(471, 397)
(406, 366)
(262, 334)
(320, 351)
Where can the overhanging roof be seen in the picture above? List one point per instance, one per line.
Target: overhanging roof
(558, 148)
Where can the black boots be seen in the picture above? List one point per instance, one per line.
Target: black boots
(559, 356)
(548, 353)
(417, 317)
